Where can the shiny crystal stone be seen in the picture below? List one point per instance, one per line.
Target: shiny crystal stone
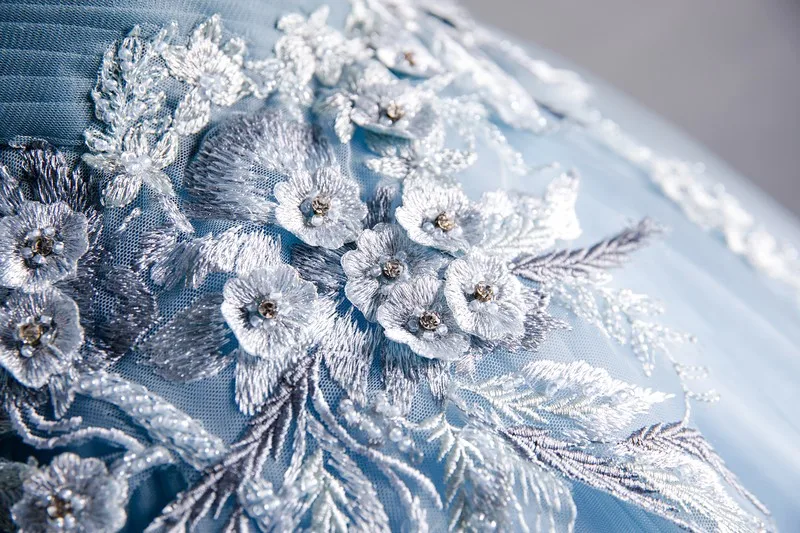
(43, 245)
(445, 222)
(59, 507)
(483, 292)
(31, 334)
(268, 309)
(430, 321)
(392, 269)
(394, 111)
(320, 205)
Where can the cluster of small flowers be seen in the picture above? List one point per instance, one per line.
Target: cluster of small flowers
(46, 236)
(41, 334)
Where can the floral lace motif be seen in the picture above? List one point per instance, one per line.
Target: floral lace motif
(687, 184)
(340, 304)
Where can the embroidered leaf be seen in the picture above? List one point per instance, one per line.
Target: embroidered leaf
(192, 345)
(588, 396)
(264, 438)
(487, 482)
(255, 380)
(354, 496)
(130, 310)
(321, 266)
(624, 316)
(347, 349)
(52, 178)
(256, 250)
(517, 224)
(192, 114)
(171, 261)
(12, 475)
(11, 196)
(538, 321)
(403, 371)
(582, 465)
(677, 438)
(586, 262)
(471, 121)
(510, 396)
(126, 88)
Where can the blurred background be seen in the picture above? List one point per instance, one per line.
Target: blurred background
(725, 71)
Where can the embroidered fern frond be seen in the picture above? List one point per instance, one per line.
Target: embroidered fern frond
(510, 396)
(589, 262)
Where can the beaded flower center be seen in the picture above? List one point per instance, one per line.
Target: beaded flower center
(34, 332)
(483, 292)
(268, 309)
(445, 222)
(62, 507)
(212, 83)
(41, 244)
(31, 334)
(59, 507)
(430, 321)
(394, 111)
(392, 269)
(321, 205)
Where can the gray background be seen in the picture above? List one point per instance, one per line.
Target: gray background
(725, 71)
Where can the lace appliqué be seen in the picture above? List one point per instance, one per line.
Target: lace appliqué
(376, 298)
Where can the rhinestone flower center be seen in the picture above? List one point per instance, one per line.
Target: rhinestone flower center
(31, 333)
(445, 222)
(43, 245)
(321, 205)
(430, 321)
(483, 292)
(59, 507)
(268, 309)
(40, 244)
(394, 111)
(392, 269)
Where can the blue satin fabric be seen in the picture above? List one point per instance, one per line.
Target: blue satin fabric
(747, 325)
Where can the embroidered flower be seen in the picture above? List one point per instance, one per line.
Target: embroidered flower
(40, 336)
(331, 50)
(132, 164)
(520, 223)
(214, 71)
(404, 55)
(369, 96)
(41, 244)
(485, 298)
(384, 257)
(440, 216)
(269, 310)
(395, 109)
(72, 494)
(322, 209)
(422, 158)
(417, 315)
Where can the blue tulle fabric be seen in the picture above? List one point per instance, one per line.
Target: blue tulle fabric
(746, 324)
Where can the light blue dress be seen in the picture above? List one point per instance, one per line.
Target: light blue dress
(180, 393)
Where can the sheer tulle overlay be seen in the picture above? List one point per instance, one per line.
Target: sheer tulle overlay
(372, 266)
